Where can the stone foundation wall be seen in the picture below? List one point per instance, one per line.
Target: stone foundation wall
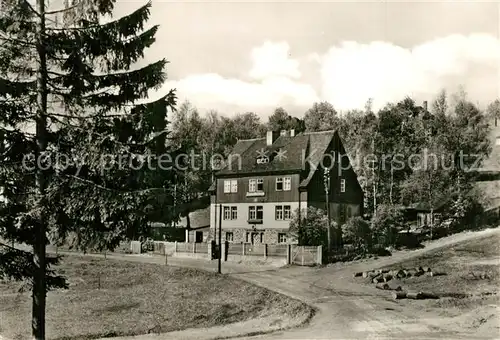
(262, 236)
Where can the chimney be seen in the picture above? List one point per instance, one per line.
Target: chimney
(271, 137)
(425, 105)
(292, 133)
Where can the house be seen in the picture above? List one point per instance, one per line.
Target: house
(421, 215)
(197, 229)
(266, 180)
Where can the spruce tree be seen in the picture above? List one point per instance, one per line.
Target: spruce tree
(75, 128)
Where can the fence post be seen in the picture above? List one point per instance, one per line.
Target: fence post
(288, 254)
(175, 247)
(187, 236)
(319, 255)
(243, 249)
(194, 247)
(265, 251)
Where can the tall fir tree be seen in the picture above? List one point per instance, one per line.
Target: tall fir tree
(70, 95)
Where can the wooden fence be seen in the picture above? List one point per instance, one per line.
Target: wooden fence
(291, 254)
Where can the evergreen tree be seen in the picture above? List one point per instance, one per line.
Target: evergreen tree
(69, 97)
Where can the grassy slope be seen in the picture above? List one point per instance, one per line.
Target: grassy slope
(136, 299)
(461, 289)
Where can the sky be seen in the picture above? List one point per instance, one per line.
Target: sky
(254, 56)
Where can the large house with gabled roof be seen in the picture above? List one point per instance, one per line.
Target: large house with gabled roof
(267, 180)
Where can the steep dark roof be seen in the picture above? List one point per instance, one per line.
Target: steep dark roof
(295, 150)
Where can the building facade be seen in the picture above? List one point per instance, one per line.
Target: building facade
(266, 181)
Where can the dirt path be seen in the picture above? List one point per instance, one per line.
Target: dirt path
(352, 311)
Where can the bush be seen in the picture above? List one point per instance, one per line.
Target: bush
(312, 228)
(386, 224)
(147, 246)
(357, 231)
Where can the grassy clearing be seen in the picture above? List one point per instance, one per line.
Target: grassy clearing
(115, 298)
(462, 288)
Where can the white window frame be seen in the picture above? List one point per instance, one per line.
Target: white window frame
(278, 213)
(342, 185)
(252, 185)
(287, 183)
(279, 180)
(287, 212)
(227, 186)
(234, 186)
(260, 209)
(252, 210)
(227, 213)
(234, 213)
(229, 236)
(281, 238)
(260, 181)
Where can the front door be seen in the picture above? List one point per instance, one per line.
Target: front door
(198, 236)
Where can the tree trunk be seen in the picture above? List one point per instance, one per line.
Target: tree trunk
(39, 283)
(392, 183)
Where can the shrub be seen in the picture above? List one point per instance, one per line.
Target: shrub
(312, 228)
(147, 246)
(386, 224)
(357, 232)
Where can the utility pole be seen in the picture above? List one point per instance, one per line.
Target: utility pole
(220, 240)
(326, 179)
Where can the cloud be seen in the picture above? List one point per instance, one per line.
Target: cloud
(274, 83)
(272, 59)
(212, 90)
(352, 72)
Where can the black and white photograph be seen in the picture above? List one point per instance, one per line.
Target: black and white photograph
(283, 170)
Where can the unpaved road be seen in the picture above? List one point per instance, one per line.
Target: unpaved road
(351, 311)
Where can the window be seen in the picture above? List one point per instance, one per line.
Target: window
(342, 185)
(279, 212)
(288, 184)
(283, 212)
(247, 237)
(230, 186)
(227, 213)
(279, 183)
(283, 183)
(230, 213)
(229, 237)
(255, 185)
(255, 212)
(281, 238)
(287, 212)
(349, 212)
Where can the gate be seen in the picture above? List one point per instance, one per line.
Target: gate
(306, 255)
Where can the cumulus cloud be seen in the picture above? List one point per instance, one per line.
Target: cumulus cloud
(275, 83)
(352, 72)
(273, 59)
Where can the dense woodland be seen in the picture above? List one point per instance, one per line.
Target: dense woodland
(389, 149)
